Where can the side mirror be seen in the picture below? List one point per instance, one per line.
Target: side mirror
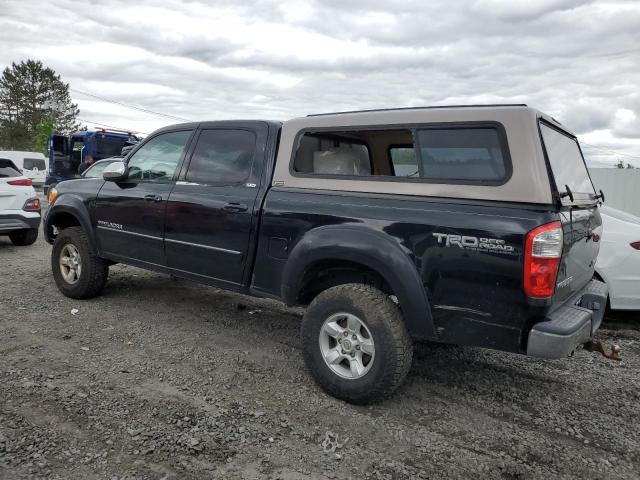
(115, 172)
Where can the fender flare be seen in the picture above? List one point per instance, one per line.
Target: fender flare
(373, 250)
(72, 205)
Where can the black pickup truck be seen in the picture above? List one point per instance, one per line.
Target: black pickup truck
(474, 225)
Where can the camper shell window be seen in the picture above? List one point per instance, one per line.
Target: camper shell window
(476, 154)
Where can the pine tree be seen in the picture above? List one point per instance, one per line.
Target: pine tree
(33, 97)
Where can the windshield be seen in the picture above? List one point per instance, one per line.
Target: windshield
(567, 164)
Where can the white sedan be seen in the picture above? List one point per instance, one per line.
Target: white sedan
(619, 259)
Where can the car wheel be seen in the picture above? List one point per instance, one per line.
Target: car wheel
(77, 270)
(22, 238)
(355, 343)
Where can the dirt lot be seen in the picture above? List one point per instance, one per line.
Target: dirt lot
(161, 378)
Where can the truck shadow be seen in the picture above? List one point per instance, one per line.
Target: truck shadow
(455, 374)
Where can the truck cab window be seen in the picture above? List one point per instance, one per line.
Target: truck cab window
(157, 160)
(222, 157)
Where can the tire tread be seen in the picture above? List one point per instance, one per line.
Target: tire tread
(95, 270)
(374, 303)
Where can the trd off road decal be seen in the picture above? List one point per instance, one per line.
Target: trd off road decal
(481, 244)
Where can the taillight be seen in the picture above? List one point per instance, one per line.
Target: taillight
(543, 249)
(32, 205)
(636, 245)
(23, 182)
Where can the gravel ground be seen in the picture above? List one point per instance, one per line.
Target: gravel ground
(162, 378)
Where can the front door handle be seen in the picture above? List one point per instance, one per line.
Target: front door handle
(235, 207)
(152, 198)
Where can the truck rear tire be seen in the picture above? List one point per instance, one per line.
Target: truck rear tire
(22, 238)
(355, 343)
(78, 272)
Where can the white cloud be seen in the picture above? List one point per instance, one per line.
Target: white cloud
(575, 59)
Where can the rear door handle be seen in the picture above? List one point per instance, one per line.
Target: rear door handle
(235, 207)
(152, 198)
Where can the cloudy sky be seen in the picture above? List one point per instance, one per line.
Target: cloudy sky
(578, 60)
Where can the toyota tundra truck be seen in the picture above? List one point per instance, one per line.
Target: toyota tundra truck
(468, 225)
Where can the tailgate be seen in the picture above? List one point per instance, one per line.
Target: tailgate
(582, 229)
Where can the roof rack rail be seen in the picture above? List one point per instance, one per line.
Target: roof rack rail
(419, 108)
(114, 130)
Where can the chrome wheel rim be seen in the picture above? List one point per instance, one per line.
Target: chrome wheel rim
(346, 345)
(70, 263)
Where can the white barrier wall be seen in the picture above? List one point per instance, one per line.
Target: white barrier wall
(621, 187)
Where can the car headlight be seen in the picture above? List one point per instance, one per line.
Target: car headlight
(53, 194)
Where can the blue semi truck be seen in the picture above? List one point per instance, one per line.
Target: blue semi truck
(67, 152)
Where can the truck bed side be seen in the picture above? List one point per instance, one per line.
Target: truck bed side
(468, 255)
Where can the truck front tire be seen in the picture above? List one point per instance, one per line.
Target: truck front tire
(355, 343)
(78, 272)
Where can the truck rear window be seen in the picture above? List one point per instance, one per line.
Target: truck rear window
(567, 163)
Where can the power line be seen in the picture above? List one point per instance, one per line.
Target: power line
(111, 126)
(133, 107)
(610, 151)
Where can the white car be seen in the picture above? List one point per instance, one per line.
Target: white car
(32, 165)
(618, 262)
(19, 205)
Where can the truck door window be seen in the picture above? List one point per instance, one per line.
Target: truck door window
(157, 160)
(222, 157)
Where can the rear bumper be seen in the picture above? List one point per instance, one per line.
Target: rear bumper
(570, 325)
(18, 221)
